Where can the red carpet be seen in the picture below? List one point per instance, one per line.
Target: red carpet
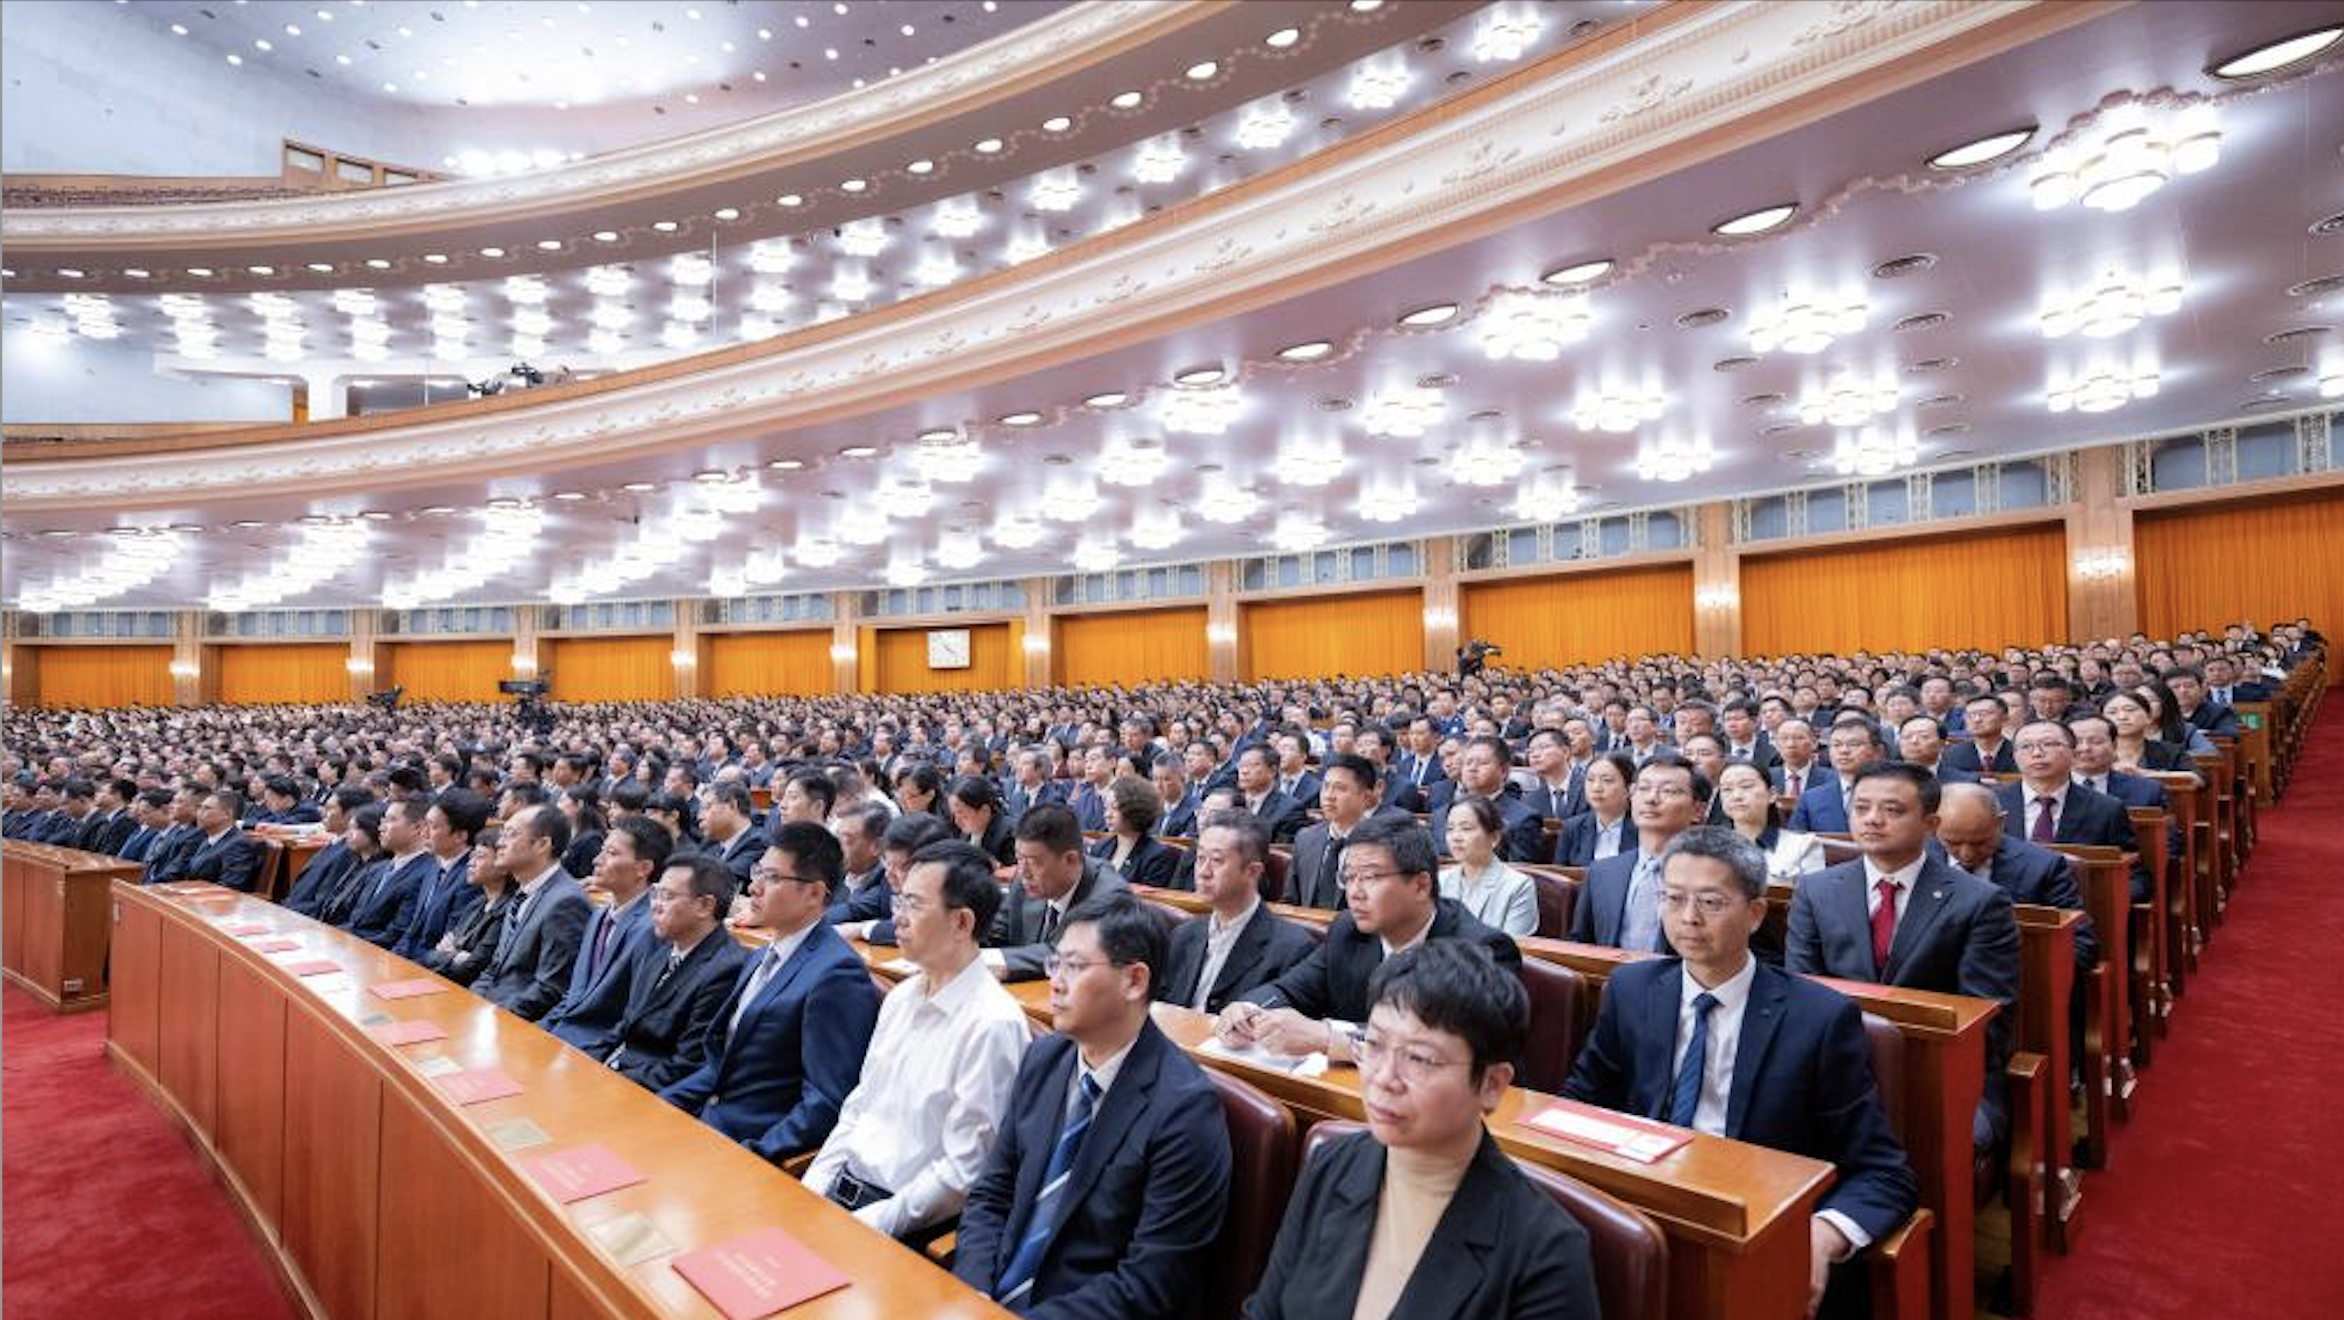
(109, 1212)
(2219, 1194)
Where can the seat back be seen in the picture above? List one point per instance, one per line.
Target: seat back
(1263, 1159)
(1166, 915)
(1558, 1017)
(1558, 894)
(1274, 869)
(1887, 1046)
(273, 884)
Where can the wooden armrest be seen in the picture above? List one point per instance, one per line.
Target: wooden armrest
(1898, 1266)
(942, 1248)
(796, 1165)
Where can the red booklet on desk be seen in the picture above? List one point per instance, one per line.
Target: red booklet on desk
(1624, 1135)
(758, 1274)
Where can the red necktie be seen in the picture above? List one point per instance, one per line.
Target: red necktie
(1796, 782)
(1883, 925)
(2046, 828)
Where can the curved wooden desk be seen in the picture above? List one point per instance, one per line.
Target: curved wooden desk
(53, 922)
(380, 1196)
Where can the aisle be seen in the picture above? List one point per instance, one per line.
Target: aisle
(2220, 1192)
(109, 1211)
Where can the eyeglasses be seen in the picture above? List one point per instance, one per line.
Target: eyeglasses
(1052, 965)
(1411, 1063)
(1707, 904)
(905, 902)
(1362, 879)
(766, 875)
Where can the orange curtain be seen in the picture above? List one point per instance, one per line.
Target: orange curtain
(901, 661)
(2268, 561)
(445, 671)
(749, 664)
(1356, 636)
(1986, 589)
(1582, 618)
(610, 668)
(101, 675)
(303, 673)
(1130, 646)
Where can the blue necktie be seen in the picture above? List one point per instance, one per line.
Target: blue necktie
(1687, 1096)
(1640, 926)
(1018, 1279)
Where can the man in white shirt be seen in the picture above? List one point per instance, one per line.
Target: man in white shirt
(914, 1133)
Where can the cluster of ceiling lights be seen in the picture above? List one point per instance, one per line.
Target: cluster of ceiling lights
(1675, 458)
(1848, 401)
(2126, 154)
(133, 558)
(1807, 323)
(324, 548)
(2103, 389)
(2110, 305)
(1874, 452)
(508, 541)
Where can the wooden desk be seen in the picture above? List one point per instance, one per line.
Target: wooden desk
(53, 921)
(299, 849)
(380, 1198)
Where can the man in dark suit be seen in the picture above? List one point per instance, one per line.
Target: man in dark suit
(1987, 751)
(1920, 741)
(865, 895)
(282, 803)
(1240, 943)
(1898, 916)
(2224, 686)
(729, 823)
(1501, 1247)
(1620, 906)
(1295, 778)
(1347, 795)
(1854, 744)
(530, 969)
(1969, 828)
(1482, 771)
(109, 824)
(1031, 784)
(1800, 768)
(1744, 739)
(1054, 876)
(151, 810)
(1103, 1198)
(1558, 781)
(225, 855)
(1394, 902)
(2047, 806)
(1419, 767)
(329, 866)
(1257, 792)
(1180, 801)
(167, 859)
(386, 906)
(679, 984)
(457, 816)
(60, 825)
(1721, 1042)
(2209, 717)
(634, 852)
(1089, 797)
(790, 1038)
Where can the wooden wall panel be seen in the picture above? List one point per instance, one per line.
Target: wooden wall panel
(1562, 619)
(2267, 560)
(251, 1132)
(189, 1020)
(333, 1132)
(101, 676)
(445, 1234)
(2006, 587)
(304, 672)
(1130, 647)
(444, 671)
(1358, 635)
(902, 660)
(610, 668)
(134, 986)
(787, 663)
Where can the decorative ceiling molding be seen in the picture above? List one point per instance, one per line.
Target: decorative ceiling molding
(1551, 135)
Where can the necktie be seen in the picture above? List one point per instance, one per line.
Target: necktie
(1328, 890)
(512, 931)
(1883, 925)
(1640, 929)
(1794, 782)
(1686, 1096)
(601, 945)
(675, 959)
(1049, 922)
(1018, 1279)
(2046, 828)
(1420, 768)
(767, 962)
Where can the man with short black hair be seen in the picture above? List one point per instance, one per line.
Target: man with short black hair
(1620, 903)
(1104, 1195)
(679, 983)
(2047, 806)
(1482, 770)
(1347, 794)
(329, 867)
(729, 824)
(1237, 944)
(1987, 751)
(457, 815)
(385, 908)
(1054, 876)
(225, 855)
(529, 970)
(634, 852)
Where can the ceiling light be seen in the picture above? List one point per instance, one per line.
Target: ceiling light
(1025, 247)
(959, 551)
(1200, 376)
(2128, 153)
(1847, 402)
(1020, 419)
(950, 460)
(2332, 385)
(1160, 160)
(1756, 222)
(905, 499)
(1546, 496)
(665, 226)
(1133, 462)
(1309, 462)
(2278, 55)
(1436, 314)
(1265, 125)
(957, 218)
(1531, 326)
(1107, 399)
(850, 284)
(787, 464)
(1206, 411)
(863, 238)
(1224, 502)
(859, 451)
(1986, 150)
(1403, 412)
(1486, 464)
(1125, 100)
(1675, 459)
(1585, 272)
(791, 199)
(816, 552)
(1310, 351)
(1019, 533)
(1055, 192)
(1378, 86)
(1389, 502)
(1505, 33)
(1294, 535)
(1617, 413)
(2103, 390)
(1096, 557)
(854, 185)
(1874, 453)
(988, 146)
(1282, 38)
(1807, 323)
(937, 267)
(1203, 69)
(1158, 530)
(922, 166)
(2112, 305)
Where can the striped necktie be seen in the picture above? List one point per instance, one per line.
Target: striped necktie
(1018, 1279)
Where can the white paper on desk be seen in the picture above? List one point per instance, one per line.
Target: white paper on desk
(1301, 1065)
(1618, 1138)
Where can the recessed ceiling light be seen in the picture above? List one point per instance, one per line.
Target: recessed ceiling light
(1436, 314)
(1057, 124)
(492, 251)
(1021, 419)
(1970, 155)
(436, 510)
(375, 515)
(786, 464)
(140, 272)
(569, 496)
(640, 487)
(2278, 55)
(664, 226)
(245, 523)
(204, 272)
(257, 270)
(322, 267)
(549, 245)
(790, 199)
(1109, 399)
(1200, 376)
(1203, 69)
(922, 166)
(436, 258)
(712, 476)
(1125, 100)
(1756, 222)
(854, 185)
(1311, 351)
(859, 451)
(1282, 38)
(1584, 272)
(727, 213)
(378, 263)
(988, 146)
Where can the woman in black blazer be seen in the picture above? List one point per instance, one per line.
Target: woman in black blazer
(1133, 851)
(1422, 1215)
(978, 815)
(2137, 745)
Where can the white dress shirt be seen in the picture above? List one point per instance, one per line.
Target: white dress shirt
(936, 1082)
(1220, 938)
(1903, 877)
(2035, 809)
(1725, 1037)
(780, 951)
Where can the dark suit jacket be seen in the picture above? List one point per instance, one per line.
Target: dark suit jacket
(1523, 838)
(1090, 806)
(1143, 1204)
(776, 1083)
(1817, 771)
(1502, 1248)
(1179, 821)
(2085, 817)
(233, 862)
(1575, 845)
(663, 1037)
(1311, 879)
(1762, 753)
(589, 1012)
(1572, 799)
(106, 834)
(870, 901)
(324, 874)
(1332, 981)
(1601, 912)
(529, 970)
(387, 903)
(1822, 807)
(168, 858)
(1153, 863)
(1019, 800)
(1017, 930)
(1265, 950)
(438, 903)
(1802, 1079)
(1964, 756)
(1957, 936)
(2214, 720)
(1282, 814)
(140, 842)
(2039, 876)
(1305, 791)
(740, 855)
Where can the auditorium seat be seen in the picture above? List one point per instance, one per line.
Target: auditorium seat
(1558, 895)
(1263, 1160)
(1558, 1018)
